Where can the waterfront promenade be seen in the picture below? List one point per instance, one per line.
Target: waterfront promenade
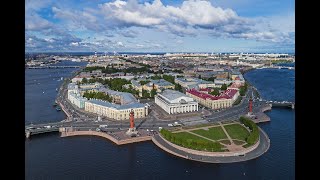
(109, 136)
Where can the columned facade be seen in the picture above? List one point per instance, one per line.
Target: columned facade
(174, 106)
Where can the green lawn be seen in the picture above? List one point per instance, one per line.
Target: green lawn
(186, 135)
(194, 142)
(236, 131)
(214, 133)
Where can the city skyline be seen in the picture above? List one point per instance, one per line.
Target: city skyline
(160, 26)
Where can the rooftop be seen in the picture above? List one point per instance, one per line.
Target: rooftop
(127, 98)
(116, 106)
(172, 95)
(227, 94)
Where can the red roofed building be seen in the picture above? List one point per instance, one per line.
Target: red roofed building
(224, 100)
(235, 86)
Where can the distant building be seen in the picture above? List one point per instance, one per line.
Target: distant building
(175, 102)
(191, 83)
(224, 100)
(159, 85)
(221, 81)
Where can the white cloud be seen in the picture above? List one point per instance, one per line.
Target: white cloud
(120, 44)
(33, 21)
(74, 44)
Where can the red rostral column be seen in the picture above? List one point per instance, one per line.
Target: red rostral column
(131, 119)
(250, 105)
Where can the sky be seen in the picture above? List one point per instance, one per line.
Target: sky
(160, 26)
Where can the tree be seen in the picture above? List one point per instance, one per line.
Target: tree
(145, 94)
(215, 92)
(153, 92)
(144, 82)
(178, 87)
(211, 79)
(224, 87)
(168, 78)
(199, 76)
(84, 80)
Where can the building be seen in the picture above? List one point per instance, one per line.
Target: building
(221, 81)
(116, 111)
(224, 100)
(191, 83)
(174, 102)
(77, 100)
(122, 98)
(159, 85)
(119, 109)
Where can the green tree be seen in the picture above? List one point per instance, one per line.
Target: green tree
(215, 92)
(144, 82)
(153, 92)
(168, 78)
(178, 87)
(211, 79)
(145, 94)
(224, 87)
(84, 80)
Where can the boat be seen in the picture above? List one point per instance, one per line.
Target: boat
(58, 108)
(54, 104)
(56, 89)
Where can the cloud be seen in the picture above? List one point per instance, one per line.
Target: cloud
(33, 21)
(191, 18)
(129, 33)
(120, 44)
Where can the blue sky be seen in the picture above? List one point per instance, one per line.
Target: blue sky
(160, 26)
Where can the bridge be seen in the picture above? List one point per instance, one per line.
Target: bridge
(282, 104)
(277, 67)
(44, 128)
(51, 67)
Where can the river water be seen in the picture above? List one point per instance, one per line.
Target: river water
(51, 157)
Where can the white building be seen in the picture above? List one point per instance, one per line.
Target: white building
(77, 100)
(175, 102)
(190, 83)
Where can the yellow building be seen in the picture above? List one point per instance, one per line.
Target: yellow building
(115, 111)
(224, 100)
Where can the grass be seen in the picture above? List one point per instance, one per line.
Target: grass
(236, 131)
(192, 141)
(214, 133)
(238, 142)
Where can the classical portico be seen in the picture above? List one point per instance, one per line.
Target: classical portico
(174, 102)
